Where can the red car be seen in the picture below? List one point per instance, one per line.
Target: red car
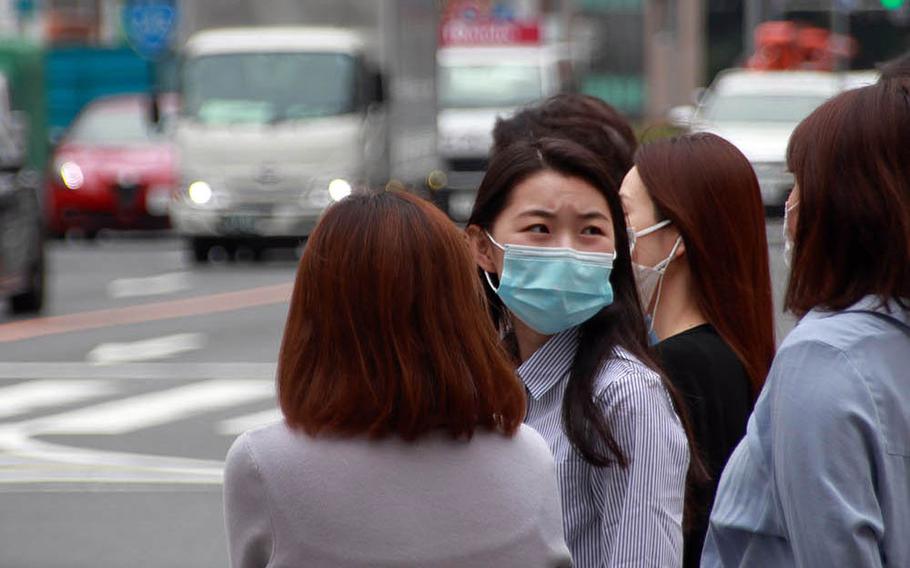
(113, 169)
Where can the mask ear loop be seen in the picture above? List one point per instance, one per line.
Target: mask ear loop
(487, 274)
(653, 228)
(663, 271)
(490, 282)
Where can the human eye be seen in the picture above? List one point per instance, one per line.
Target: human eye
(592, 230)
(537, 228)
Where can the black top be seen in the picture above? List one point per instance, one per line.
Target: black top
(713, 382)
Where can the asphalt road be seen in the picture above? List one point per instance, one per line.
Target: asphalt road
(118, 404)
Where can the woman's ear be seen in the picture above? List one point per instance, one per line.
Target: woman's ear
(482, 249)
(680, 249)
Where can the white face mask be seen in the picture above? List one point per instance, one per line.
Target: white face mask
(647, 278)
(788, 242)
(650, 278)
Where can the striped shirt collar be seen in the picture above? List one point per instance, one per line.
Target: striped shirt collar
(549, 364)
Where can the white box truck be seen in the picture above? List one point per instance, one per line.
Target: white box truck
(276, 123)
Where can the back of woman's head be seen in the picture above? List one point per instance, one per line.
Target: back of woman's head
(707, 188)
(583, 119)
(897, 68)
(387, 332)
(851, 159)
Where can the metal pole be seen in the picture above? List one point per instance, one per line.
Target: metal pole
(840, 26)
(752, 17)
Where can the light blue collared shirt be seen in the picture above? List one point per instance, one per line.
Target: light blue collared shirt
(822, 477)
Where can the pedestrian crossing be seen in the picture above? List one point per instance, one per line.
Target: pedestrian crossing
(132, 413)
(38, 414)
(31, 396)
(128, 415)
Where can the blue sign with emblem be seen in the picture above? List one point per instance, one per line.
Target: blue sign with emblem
(150, 25)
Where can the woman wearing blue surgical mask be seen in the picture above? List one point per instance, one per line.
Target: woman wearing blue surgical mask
(550, 241)
(701, 261)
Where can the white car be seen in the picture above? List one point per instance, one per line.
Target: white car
(758, 110)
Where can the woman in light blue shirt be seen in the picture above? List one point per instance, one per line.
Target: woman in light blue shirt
(822, 477)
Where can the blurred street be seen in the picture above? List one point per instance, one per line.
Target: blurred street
(112, 436)
(115, 416)
(151, 151)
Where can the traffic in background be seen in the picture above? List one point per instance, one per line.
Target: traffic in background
(162, 162)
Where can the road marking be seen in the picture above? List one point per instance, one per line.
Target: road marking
(137, 371)
(157, 348)
(149, 286)
(202, 305)
(54, 463)
(145, 411)
(26, 460)
(34, 395)
(239, 425)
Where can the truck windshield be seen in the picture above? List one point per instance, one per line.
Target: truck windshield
(787, 109)
(493, 85)
(262, 88)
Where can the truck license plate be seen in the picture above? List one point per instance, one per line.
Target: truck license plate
(238, 224)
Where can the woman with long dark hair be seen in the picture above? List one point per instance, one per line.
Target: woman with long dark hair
(701, 261)
(822, 477)
(550, 241)
(403, 442)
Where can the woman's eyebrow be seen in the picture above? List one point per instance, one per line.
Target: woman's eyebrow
(538, 213)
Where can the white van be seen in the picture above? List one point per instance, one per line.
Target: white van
(277, 123)
(477, 85)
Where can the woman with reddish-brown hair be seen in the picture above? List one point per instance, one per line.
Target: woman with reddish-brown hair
(822, 477)
(403, 442)
(701, 262)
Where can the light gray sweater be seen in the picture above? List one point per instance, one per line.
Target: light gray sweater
(292, 500)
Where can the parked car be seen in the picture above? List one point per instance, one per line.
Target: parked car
(22, 263)
(113, 169)
(22, 267)
(757, 111)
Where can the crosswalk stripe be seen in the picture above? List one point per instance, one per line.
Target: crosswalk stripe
(153, 409)
(155, 348)
(136, 371)
(29, 396)
(241, 424)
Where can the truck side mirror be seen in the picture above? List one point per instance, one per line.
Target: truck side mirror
(18, 124)
(377, 88)
(154, 115)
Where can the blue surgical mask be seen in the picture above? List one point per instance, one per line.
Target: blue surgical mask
(553, 289)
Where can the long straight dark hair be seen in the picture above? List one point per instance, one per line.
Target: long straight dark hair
(707, 188)
(619, 325)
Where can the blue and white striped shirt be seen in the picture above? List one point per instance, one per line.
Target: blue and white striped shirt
(614, 516)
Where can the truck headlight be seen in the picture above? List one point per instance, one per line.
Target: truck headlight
(339, 189)
(200, 192)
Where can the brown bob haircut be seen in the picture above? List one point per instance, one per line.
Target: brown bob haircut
(851, 159)
(583, 119)
(708, 189)
(387, 332)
